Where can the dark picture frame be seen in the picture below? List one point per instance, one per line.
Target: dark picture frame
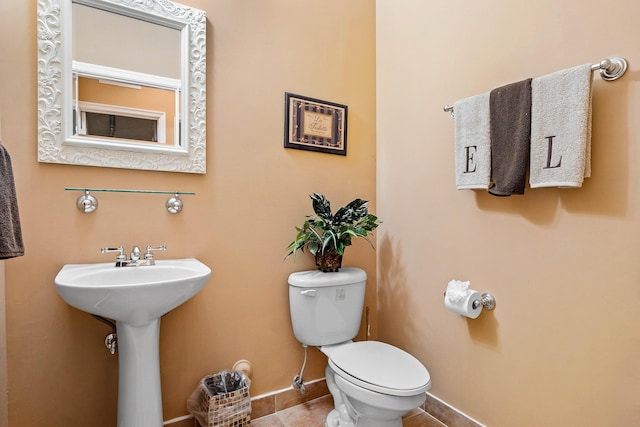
(315, 125)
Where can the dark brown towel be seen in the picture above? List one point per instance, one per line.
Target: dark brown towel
(10, 233)
(510, 117)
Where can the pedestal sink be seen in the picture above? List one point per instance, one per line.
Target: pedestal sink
(136, 298)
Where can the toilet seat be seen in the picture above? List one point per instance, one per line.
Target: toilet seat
(380, 367)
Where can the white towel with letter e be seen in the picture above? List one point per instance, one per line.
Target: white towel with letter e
(472, 142)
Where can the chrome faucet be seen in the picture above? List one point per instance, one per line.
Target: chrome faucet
(135, 253)
(134, 261)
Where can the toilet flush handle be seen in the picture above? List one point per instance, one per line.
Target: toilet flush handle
(309, 292)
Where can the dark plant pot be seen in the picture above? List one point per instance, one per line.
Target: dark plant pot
(328, 261)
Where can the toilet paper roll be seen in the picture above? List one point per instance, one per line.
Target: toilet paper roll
(464, 307)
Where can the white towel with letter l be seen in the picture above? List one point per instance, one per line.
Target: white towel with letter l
(472, 142)
(561, 128)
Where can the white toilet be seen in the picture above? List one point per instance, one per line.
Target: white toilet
(373, 384)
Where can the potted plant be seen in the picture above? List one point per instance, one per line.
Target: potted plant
(327, 235)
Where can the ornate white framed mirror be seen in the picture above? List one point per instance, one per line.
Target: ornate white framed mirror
(122, 83)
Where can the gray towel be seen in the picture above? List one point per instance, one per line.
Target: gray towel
(10, 233)
(510, 112)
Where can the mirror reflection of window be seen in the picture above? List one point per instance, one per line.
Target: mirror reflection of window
(122, 127)
(142, 56)
(149, 107)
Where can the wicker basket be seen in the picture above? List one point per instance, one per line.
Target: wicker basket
(232, 409)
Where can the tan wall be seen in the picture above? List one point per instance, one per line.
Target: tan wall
(239, 222)
(563, 344)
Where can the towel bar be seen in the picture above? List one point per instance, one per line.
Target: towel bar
(610, 69)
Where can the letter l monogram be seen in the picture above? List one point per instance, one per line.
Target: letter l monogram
(549, 154)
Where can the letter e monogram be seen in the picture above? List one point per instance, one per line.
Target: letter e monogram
(471, 163)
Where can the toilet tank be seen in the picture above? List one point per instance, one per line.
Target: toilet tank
(326, 308)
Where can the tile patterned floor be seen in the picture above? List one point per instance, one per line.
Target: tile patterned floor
(314, 413)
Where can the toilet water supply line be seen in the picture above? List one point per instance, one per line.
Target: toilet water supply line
(368, 324)
(298, 383)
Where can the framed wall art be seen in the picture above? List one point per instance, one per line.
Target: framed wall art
(315, 125)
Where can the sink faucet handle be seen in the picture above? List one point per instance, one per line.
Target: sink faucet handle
(119, 249)
(135, 253)
(150, 248)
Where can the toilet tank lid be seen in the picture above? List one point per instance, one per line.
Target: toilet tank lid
(316, 278)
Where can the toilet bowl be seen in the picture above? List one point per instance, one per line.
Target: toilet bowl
(373, 384)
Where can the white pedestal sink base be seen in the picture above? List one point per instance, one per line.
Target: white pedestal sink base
(139, 392)
(136, 298)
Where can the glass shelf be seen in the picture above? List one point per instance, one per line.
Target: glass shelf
(87, 203)
(116, 190)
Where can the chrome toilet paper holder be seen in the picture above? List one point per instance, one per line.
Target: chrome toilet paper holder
(487, 300)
